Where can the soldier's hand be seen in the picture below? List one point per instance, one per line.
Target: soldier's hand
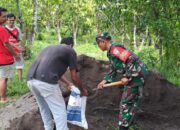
(100, 85)
(125, 80)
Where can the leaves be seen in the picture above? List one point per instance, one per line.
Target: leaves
(154, 22)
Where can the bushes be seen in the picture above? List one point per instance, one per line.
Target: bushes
(150, 56)
(168, 69)
(27, 54)
(45, 35)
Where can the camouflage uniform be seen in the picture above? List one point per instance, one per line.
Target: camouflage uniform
(125, 62)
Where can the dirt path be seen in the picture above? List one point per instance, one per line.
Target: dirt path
(159, 110)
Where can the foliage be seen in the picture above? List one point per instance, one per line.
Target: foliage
(149, 56)
(16, 87)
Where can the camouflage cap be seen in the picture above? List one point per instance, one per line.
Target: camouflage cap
(103, 36)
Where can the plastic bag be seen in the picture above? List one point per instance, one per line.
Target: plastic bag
(76, 108)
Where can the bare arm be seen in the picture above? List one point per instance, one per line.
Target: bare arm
(77, 82)
(11, 50)
(66, 81)
(18, 46)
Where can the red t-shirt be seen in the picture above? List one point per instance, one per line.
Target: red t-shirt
(16, 45)
(5, 56)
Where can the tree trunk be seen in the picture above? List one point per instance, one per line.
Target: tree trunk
(161, 51)
(75, 28)
(134, 34)
(20, 16)
(34, 22)
(123, 32)
(97, 20)
(144, 37)
(58, 25)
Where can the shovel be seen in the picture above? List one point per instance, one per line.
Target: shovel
(110, 84)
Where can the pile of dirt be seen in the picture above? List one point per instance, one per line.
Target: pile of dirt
(159, 110)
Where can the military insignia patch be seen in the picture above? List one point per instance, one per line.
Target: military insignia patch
(116, 52)
(121, 53)
(124, 54)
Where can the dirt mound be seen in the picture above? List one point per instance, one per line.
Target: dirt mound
(159, 110)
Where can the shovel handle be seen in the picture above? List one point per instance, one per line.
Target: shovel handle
(111, 84)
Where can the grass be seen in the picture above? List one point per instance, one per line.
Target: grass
(172, 75)
(91, 50)
(15, 87)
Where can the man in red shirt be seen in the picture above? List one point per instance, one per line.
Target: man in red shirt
(15, 38)
(6, 57)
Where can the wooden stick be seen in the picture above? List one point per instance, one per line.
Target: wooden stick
(113, 84)
(110, 84)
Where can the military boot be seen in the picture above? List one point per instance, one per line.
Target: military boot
(123, 128)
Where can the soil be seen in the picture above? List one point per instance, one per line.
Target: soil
(159, 109)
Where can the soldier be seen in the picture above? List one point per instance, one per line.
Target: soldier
(134, 72)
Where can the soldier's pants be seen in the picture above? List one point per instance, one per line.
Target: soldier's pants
(129, 102)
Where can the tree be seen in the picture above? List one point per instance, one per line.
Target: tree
(34, 21)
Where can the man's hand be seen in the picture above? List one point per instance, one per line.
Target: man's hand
(17, 57)
(67, 82)
(100, 85)
(84, 92)
(11, 50)
(69, 86)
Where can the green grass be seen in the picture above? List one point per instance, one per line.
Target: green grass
(173, 79)
(90, 50)
(15, 87)
(172, 75)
